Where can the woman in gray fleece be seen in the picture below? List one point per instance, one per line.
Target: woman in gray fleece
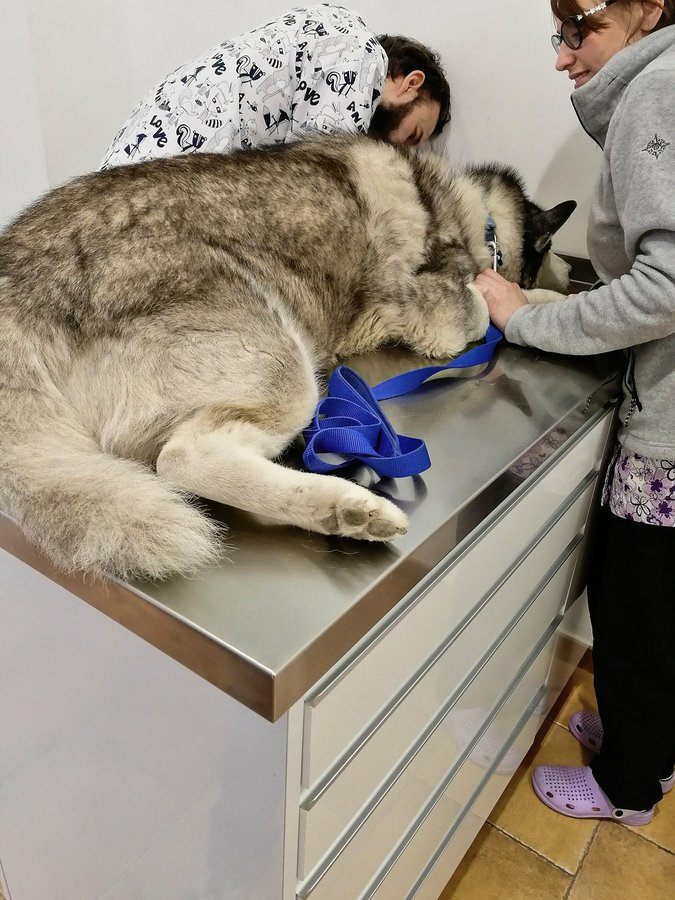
(621, 57)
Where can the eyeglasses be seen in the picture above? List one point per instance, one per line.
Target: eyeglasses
(570, 32)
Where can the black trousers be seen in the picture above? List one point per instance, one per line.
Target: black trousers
(631, 594)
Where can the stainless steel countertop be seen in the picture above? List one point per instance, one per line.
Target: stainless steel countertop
(284, 605)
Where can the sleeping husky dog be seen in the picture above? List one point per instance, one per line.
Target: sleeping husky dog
(162, 326)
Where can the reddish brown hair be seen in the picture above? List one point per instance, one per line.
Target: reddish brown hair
(563, 8)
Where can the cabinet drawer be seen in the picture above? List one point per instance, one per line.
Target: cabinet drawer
(453, 676)
(355, 857)
(349, 698)
(458, 810)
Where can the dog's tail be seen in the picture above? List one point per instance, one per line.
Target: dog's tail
(89, 511)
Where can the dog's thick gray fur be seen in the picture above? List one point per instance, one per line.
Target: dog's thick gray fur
(162, 326)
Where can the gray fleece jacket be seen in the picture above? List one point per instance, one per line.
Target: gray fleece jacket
(629, 110)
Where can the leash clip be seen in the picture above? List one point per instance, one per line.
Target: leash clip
(497, 258)
(492, 243)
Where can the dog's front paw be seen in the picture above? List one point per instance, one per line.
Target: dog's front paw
(541, 295)
(554, 273)
(442, 347)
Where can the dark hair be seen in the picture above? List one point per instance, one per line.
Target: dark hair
(563, 8)
(405, 56)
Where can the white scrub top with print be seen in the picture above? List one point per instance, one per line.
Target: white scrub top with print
(314, 68)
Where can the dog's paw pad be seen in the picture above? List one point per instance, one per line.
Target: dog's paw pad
(383, 529)
(370, 518)
(355, 515)
(331, 524)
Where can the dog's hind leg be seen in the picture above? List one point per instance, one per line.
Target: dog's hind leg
(226, 455)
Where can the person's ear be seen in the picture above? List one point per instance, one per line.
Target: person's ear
(651, 13)
(410, 85)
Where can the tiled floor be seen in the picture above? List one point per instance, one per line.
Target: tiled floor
(527, 852)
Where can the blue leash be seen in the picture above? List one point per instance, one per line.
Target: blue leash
(350, 423)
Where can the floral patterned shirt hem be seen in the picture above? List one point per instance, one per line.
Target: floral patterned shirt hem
(642, 489)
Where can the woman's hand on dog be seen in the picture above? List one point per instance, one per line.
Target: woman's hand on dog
(502, 297)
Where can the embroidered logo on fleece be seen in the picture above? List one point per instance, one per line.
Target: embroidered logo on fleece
(656, 147)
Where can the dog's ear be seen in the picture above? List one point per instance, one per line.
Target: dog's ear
(548, 221)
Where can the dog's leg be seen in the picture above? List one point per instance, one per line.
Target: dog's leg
(554, 273)
(231, 464)
(443, 315)
(542, 295)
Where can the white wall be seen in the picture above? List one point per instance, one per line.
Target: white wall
(122, 773)
(23, 167)
(92, 62)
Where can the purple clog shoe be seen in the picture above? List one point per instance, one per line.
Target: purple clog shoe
(573, 791)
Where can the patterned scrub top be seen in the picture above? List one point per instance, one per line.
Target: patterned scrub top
(314, 68)
(642, 489)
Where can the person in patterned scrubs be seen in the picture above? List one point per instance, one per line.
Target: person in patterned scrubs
(315, 68)
(621, 57)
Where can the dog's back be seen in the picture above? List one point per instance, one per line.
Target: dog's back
(130, 241)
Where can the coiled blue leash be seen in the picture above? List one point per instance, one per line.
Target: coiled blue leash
(349, 422)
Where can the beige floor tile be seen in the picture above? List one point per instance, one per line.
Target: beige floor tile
(661, 830)
(579, 694)
(520, 813)
(498, 868)
(622, 866)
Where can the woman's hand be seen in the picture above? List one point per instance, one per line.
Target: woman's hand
(502, 297)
